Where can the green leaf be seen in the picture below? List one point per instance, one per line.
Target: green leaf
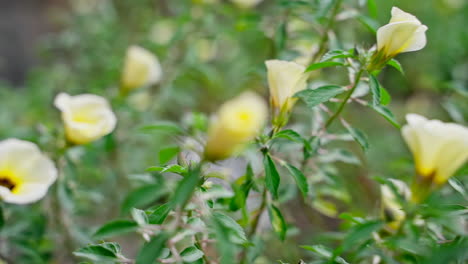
(375, 89)
(191, 254)
(359, 136)
(152, 250)
(325, 253)
(272, 177)
(223, 243)
(360, 233)
(314, 97)
(114, 228)
(158, 216)
(323, 64)
(163, 127)
(290, 135)
(372, 8)
(101, 252)
(336, 54)
(386, 113)
(371, 24)
(139, 216)
(2, 218)
(385, 97)
(143, 196)
(277, 221)
(236, 232)
(166, 154)
(299, 177)
(186, 187)
(174, 168)
(281, 36)
(339, 155)
(396, 64)
(241, 193)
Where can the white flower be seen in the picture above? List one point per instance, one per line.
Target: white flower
(141, 68)
(246, 3)
(237, 122)
(86, 117)
(285, 78)
(25, 173)
(439, 149)
(403, 33)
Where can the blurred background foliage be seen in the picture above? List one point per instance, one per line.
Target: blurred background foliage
(210, 51)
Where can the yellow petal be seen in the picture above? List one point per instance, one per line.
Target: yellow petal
(141, 68)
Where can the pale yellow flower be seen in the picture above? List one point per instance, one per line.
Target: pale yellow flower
(404, 33)
(246, 3)
(236, 123)
(25, 173)
(141, 68)
(285, 78)
(439, 149)
(392, 209)
(86, 117)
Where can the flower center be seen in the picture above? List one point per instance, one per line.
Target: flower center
(7, 183)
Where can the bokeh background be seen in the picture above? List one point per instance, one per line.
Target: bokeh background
(210, 51)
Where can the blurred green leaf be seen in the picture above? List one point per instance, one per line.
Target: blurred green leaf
(116, 227)
(235, 231)
(396, 64)
(2, 217)
(166, 154)
(372, 8)
(299, 178)
(375, 89)
(152, 249)
(386, 113)
(139, 216)
(191, 254)
(186, 187)
(360, 233)
(324, 253)
(290, 135)
(371, 24)
(314, 97)
(101, 252)
(143, 196)
(359, 136)
(277, 221)
(174, 168)
(157, 216)
(162, 126)
(272, 177)
(336, 54)
(323, 64)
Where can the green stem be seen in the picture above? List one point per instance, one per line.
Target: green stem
(345, 100)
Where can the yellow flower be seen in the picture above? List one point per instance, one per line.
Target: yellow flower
(439, 149)
(392, 209)
(285, 78)
(87, 117)
(237, 122)
(246, 3)
(25, 173)
(141, 68)
(403, 33)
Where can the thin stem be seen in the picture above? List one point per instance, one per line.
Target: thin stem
(345, 100)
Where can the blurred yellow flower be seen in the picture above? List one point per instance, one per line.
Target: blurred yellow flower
(25, 173)
(403, 33)
(246, 3)
(285, 78)
(141, 68)
(392, 209)
(439, 149)
(87, 117)
(236, 123)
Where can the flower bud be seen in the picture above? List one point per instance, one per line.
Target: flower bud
(86, 117)
(439, 149)
(237, 122)
(284, 80)
(404, 33)
(141, 68)
(391, 207)
(25, 173)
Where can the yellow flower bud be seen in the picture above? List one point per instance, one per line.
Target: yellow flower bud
(403, 33)
(86, 117)
(141, 68)
(246, 3)
(25, 173)
(237, 122)
(284, 80)
(391, 207)
(439, 149)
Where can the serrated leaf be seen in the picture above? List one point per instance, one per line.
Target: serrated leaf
(191, 254)
(386, 113)
(299, 178)
(277, 221)
(152, 249)
(158, 216)
(290, 135)
(272, 178)
(359, 136)
(174, 168)
(162, 126)
(166, 154)
(375, 89)
(143, 196)
(396, 64)
(314, 97)
(323, 64)
(116, 227)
